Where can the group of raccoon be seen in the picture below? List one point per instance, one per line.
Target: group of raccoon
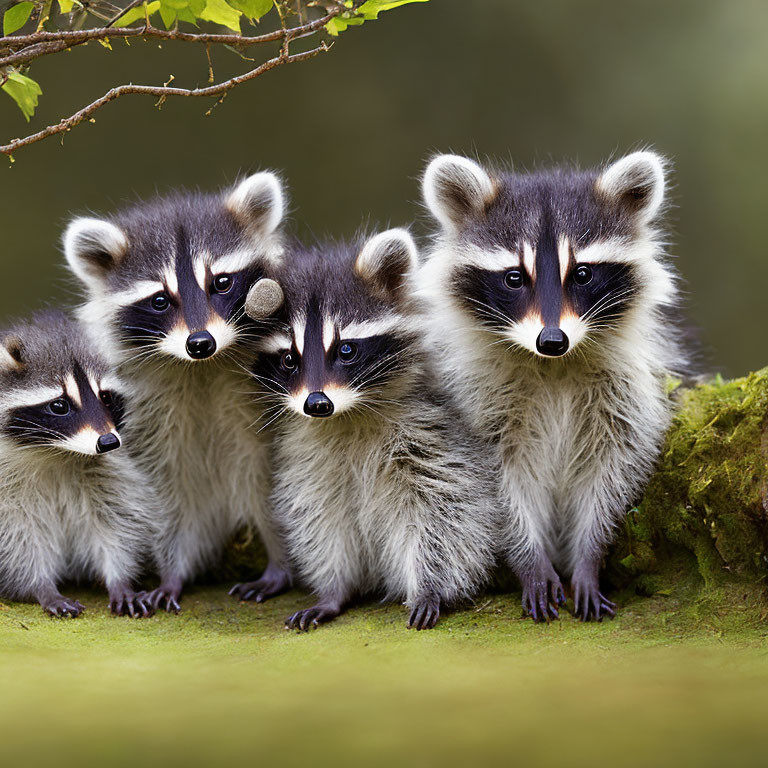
(388, 424)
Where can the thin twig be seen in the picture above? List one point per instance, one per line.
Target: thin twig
(75, 36)
(161, 92)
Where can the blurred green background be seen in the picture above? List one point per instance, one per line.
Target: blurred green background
(533, 82)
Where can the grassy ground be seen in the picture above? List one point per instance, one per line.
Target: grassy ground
(672, 681)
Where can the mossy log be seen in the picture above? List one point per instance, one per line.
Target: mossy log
(708, 500)
(705, 511)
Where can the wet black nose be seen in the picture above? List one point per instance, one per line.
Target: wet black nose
(552, 342)
(318, 404)
(106, 443)
(201, 345)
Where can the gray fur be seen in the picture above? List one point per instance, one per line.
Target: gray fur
(64, 515)
(576, 437)
(388, 496)
(195, 424)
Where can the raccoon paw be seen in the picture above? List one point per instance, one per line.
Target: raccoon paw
(62, 607)
(542, 595)
(425, 614)
(589, 603)
(274, 581)
(171, 594)
(311, 618)
(126, 602)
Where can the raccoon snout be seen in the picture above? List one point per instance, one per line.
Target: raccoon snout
(552, 342)
(318, 404)
(107, 443)
(201, 345)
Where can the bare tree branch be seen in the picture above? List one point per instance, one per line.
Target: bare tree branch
(32, 44)
(162, 92)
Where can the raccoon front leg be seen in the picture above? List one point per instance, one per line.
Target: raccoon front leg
(526, 531)
(276, 578)
(328, 607)
(114, 554)
(53, 602)
(167, 558)
(594, 510)
(32, 556)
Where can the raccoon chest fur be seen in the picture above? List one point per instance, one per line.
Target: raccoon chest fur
(60, 504)
(195, 434)
(347, 480)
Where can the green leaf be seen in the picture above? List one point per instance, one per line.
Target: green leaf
(372, 8)
(339, 24)
(220, 12)
(137, 13)
(24, 91)
(368, 11)
(66, 6)
(185, 14)
(253, 9)
(168, 15)
(16, 17)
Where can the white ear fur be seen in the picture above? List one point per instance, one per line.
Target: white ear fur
(10, 354)
(259, 203)
(93, 247)
(388, 259)
(637, 180)
(455, 188)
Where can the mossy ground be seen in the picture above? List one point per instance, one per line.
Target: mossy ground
(679, 678)
(671, 681)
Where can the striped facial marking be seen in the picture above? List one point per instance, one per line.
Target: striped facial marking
(327, 367)
(194, 309)
(81, 414)
(554, 296)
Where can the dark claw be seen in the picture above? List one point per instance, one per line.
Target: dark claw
(63, 607)
(424, 615)
(311, 618)
(589, 603)
(273, 581)
(167, 595)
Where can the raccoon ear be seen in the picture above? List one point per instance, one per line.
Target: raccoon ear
(635, 182)
(259, 203)
(455, 189)
(387, 260)
(11, 354)
(93, 248)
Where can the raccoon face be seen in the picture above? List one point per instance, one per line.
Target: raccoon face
(347, 341)
(170, 277)
(55, 397)
(548, 261)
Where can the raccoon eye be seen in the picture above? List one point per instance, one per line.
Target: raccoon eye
(347, 352)
(288, 361)
(582, 274)
(222, 283)
(160, 302)
(106, 398)
(59, 407)
(514, 279)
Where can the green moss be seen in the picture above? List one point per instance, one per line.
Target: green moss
(708, 496)
(224, 684)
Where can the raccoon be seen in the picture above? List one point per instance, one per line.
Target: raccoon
(69, 507)
(550, 300)
(376, 488)
(166, 283)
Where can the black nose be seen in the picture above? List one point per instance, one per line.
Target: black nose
(201, 345)
(318, 404)
(552, 342)
(106, 443)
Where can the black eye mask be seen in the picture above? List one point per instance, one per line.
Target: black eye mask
(358, 363)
